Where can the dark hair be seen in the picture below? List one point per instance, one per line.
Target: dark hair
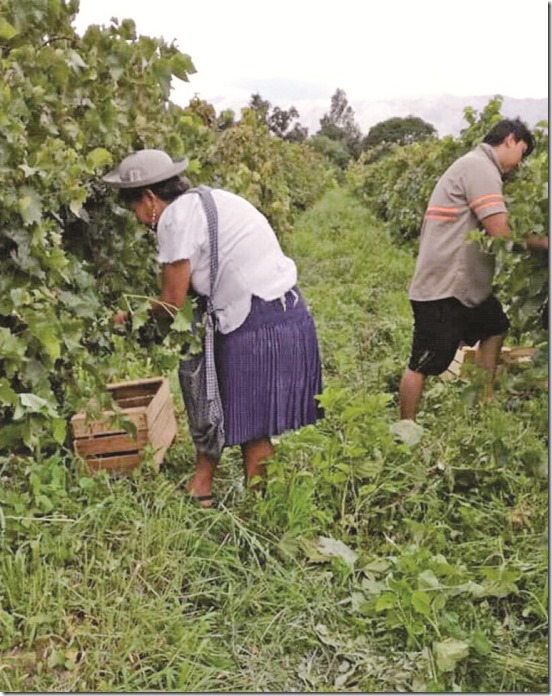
(501, 130)
(167, 190)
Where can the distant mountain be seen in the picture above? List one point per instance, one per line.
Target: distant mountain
(444, 112)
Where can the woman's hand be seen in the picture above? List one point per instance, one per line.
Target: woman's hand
(121, 317)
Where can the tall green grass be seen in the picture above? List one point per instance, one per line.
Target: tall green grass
(370, 565)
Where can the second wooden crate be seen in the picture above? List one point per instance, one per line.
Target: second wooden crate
(466, 356)
(104, 444)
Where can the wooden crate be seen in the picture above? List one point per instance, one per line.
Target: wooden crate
(105, 445)
(466, 356)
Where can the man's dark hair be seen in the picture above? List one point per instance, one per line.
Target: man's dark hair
(168, 190)
(501, 130)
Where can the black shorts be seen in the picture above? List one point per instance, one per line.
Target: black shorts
(440, 326)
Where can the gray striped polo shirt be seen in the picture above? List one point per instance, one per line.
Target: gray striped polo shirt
(448, 265)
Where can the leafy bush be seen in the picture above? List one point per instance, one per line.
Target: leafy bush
(279, 177)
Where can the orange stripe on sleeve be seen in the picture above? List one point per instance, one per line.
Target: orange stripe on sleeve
(477, 201)
(488, 205)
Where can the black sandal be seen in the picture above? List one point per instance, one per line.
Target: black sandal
(199, 499)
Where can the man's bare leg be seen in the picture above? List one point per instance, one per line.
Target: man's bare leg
(487, 356)
(410, 393)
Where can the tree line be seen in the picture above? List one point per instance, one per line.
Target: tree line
(339, 137)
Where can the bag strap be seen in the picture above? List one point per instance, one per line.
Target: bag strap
(210, 208)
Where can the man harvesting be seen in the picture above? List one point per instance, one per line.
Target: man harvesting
(451, 291)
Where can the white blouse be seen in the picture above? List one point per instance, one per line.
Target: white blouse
(251, 261)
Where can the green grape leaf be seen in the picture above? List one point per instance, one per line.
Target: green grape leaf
(30, 205)
(11, 347)
(7, 31)
(59, 430)
(7, 395)
(98, 157)
(75, 60)
(182, 66)
(421, 602)
(183, 319)
(480, 643)
(46, 334)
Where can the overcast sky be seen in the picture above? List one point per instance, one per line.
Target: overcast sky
(372, 50)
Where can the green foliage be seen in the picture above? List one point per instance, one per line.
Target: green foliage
(339, 125)
(282, 123)
(70, 108)
(334, 150)
(523, 276)
(379, 560)
(403, 131)
(279, 177)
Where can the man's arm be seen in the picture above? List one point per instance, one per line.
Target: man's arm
(497, 226)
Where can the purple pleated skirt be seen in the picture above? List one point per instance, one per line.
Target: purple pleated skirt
(269, 370)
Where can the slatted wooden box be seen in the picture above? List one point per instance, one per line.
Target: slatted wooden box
(466, 356)
(105, 445)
